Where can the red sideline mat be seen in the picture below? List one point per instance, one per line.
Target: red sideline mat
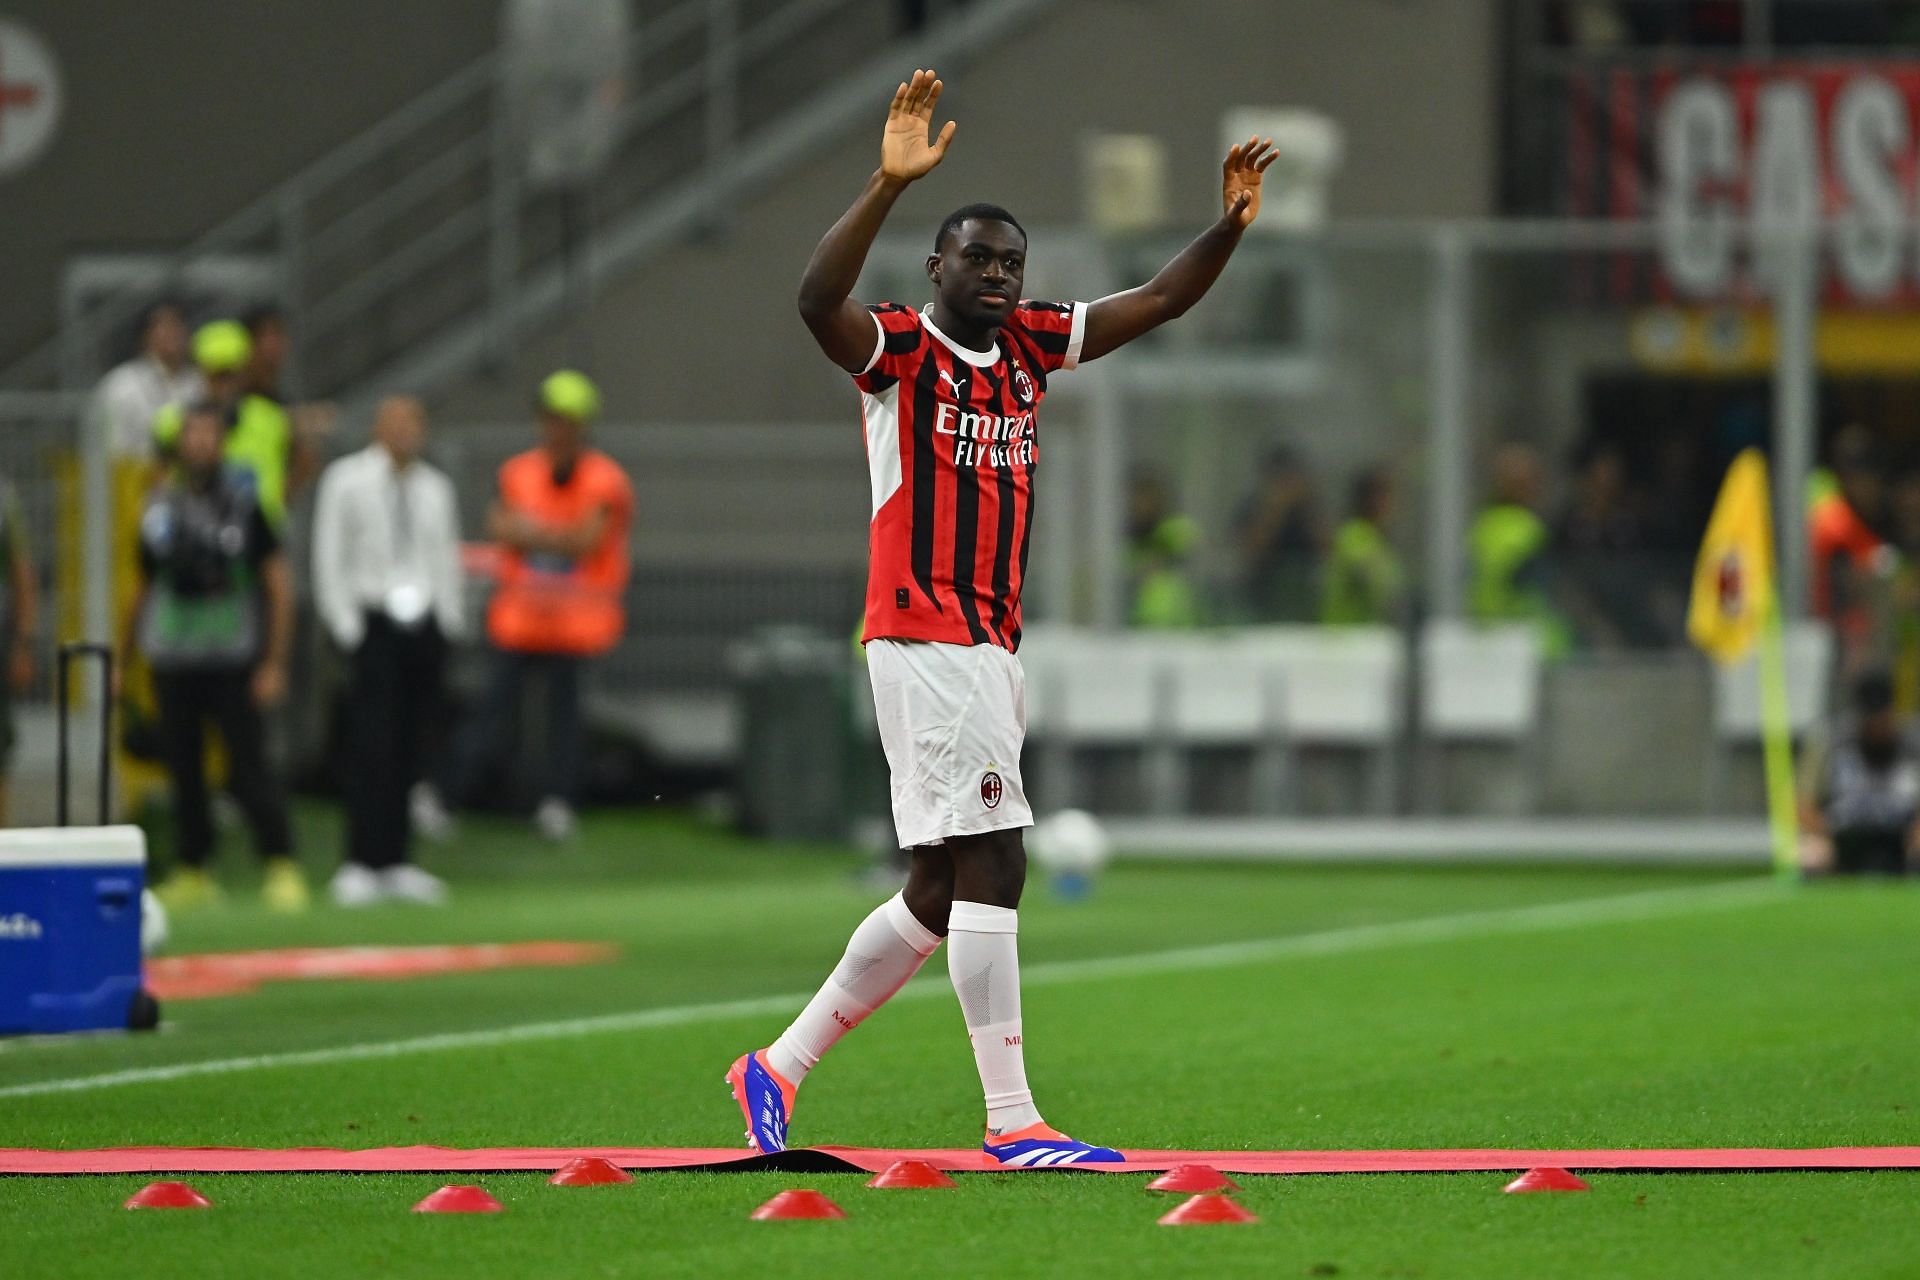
(230, 973)
(874, 1160)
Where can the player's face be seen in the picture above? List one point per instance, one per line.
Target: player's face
(562, 437)
(980, 270)
(202, 440)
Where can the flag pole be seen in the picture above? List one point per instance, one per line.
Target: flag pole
(1776, 732)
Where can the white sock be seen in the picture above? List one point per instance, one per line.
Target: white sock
(983, 958)
(888, 948)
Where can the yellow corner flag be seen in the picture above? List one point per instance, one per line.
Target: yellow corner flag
(1733, 606)
(1733, 579)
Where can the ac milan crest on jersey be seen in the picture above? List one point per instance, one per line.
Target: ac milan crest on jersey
(951, 451)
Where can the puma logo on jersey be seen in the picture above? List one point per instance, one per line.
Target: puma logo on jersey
(948, 379)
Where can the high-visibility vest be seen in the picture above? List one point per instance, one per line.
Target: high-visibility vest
(1364, 576)
(549, 603)
(1507, 547)
(1835, 531)
(259, 438)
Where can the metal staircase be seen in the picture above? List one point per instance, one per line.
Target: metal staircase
(414, 255)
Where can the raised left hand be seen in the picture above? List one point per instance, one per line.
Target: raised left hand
(1245, 165)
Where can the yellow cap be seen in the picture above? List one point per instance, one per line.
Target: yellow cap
(570, 394)
(222, 347)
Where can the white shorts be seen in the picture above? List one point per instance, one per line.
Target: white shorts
(952, 719)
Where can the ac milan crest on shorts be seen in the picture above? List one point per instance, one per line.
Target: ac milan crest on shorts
(952, 719)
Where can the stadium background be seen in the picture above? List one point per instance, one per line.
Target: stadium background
(1489, 270)
(1504, 258)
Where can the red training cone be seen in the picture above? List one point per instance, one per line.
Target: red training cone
(910, 1174)
(167, 1195)
(589, 1171)
(1546, 1180)
(459, 1200)
(1202, 1211)
(1193, 1179)
(798, 1204)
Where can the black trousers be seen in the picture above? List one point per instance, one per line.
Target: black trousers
(393, 706)
(485, 736)
(188, 700)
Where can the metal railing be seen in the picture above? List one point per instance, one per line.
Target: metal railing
(418, 252)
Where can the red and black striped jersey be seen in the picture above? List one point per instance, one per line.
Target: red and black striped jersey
(951, 450)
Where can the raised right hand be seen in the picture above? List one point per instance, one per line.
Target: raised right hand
(905, 153)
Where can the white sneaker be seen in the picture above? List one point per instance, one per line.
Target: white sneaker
(355, 885)
(408, 883)
(430, 818)
(554, 819)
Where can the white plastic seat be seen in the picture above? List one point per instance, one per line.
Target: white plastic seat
(1479, 684)
(1342, 684)
(1110, 690)
(1808, 650)
(1219, 695)
(1340, 687)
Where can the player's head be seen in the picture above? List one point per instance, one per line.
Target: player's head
(1372, 496)
(400, 425)
(978, 264)
(1517, 480)
(163, 333)
(1857, 466)
(267, 326)
(1877, 724)
(202, 440)
(221, 350)
(567, 403)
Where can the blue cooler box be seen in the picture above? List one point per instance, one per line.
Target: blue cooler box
(70, 928)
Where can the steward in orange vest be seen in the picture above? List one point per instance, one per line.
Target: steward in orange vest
(561, 518)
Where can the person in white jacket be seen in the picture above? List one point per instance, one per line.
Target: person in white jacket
(386, 579)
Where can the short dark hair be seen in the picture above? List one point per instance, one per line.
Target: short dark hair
(1873, 693)
(970, 212)
(152, 311)
(262, 314)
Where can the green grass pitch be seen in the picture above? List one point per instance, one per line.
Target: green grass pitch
(1685, 1014)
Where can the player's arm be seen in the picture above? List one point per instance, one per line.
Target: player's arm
(1115, 321)
(270, 677)
(843, 328)
(524, 533)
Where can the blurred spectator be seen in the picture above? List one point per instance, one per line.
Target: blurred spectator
(1365, 581)
(215, 621)
(1860, 790)
(561, 518)
(258, 436)
(266, 327)
(19, 618)
(1278, 529)
(1159, 546)
(1849, 560)
(311, 422)
(129, 397)
(386, 581)
(1902, 625)
(1509, 552)
(1601, 548)
(914, 14)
